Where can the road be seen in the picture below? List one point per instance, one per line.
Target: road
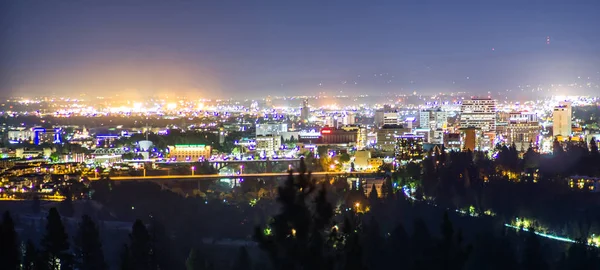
(219, 176)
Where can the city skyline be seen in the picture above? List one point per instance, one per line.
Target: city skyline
(248, 49)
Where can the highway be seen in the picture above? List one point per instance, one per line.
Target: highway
(219, 176)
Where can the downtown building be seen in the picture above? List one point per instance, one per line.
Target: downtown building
(387, 137)
(522, 129)
(562, 120)
(479, 115)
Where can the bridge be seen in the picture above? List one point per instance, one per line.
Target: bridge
(219, 176)
(265, 165)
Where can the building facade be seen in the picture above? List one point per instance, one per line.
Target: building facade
(561, 120)
(189, 152)
(386, 137)
(478, 113)
(268, 145)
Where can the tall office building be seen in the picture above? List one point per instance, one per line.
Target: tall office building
(305, 111)
(522, 129)
(391, 118)
(561, 120)
(478, 113)
(433, 119)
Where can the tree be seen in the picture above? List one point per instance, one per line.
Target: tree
(141, 248)
(9, 249)
(344, 157)
(533, 258)
(196, 262)
(243, 261)
(30, 256)
(126, 259)
(295, 239)
(66, 206)
(88, 248)
(55, 243)
(373, 195)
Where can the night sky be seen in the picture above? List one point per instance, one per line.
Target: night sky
(249, 48)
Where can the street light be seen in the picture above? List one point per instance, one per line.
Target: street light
(193, 169)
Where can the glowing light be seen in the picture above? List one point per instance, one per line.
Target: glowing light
(172, 106)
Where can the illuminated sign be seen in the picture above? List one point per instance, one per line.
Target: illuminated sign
(326, 131)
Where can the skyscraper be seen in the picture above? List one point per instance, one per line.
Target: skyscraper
(478, 113)
(305, 111)
(561, 120)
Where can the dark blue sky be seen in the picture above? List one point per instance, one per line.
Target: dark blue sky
(225, 48)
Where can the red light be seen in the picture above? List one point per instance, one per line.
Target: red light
(325, 131)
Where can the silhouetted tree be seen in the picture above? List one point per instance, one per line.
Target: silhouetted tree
(30, 257)
(533, 257)
(88, 248)
(141, 247)
(196, 262)
(373, 195)
(243, 261)
(9, 248)
(297, 239)
(55, 243)
(66, 206)
(125, 263)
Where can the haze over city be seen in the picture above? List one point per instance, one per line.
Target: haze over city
(284, 135)
(246, 48)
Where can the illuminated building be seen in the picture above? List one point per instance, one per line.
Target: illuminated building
(522, 129)
(433, 119)
(469, 138)
(452, 141)
(36, 135)
(479, 113)
(561, 120)
(270, 129)
(338, 136)
(409, 147)
(386, 137)
(268, 144)
(391, 118)
(362, 134)
(305, 111)
(186, 152)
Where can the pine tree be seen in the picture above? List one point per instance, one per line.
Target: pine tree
(373, 195)
(533, 258)
(30, 256)
(88, 247)
(125, 263)
(243, 261)
(9, 248)
(66, 206)
(193, 261)
(55, 243)
(296, 238)
(141, 247)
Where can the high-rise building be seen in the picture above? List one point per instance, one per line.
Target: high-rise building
(305, 111)
(391, 118)
(271, 129)
(268, 144)
(387, 136)
(522, 129)
(269, 102)
(433, 119)
(478, 113)
(561, 120)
